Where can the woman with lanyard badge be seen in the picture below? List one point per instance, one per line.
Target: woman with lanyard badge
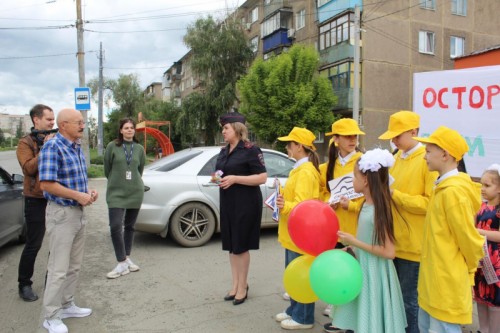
(123, 165)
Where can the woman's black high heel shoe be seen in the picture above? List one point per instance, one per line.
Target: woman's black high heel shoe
(229, 297)
(237, 301)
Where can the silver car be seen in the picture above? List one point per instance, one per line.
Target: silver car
(180, 199)
(12, 207)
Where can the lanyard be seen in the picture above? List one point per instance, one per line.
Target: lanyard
(128, 157)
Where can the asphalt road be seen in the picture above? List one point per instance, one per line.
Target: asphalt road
(177, 289)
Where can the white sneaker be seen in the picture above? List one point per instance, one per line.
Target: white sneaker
(74, 311)
(286, 297)
(131, 266)
(290, 324)
(328, 310)
(120, 269)
(55, 326)
(281, 316)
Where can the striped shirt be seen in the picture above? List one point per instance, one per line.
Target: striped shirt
(62, 161)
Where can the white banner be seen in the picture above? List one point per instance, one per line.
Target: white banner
(466, 100)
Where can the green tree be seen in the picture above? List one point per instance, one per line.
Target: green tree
(126, 93)
(92, 126)
(286, 91)
(19, 130)
(2, 137)
(220, 54)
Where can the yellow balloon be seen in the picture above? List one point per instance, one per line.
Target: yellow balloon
(296, 280)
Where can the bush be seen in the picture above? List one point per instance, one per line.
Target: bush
(98, 160)
(95, 171)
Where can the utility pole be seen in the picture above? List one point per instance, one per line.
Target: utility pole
(81, 76)
(99, 108)
(355, 97)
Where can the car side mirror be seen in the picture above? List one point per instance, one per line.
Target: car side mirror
(18, 179)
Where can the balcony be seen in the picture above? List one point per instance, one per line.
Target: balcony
(344, 99)
(277, 39)
(335, 7)
(275, 5)
(336, 53)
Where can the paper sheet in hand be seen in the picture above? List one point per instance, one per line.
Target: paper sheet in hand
(342, 186)
(271, 201)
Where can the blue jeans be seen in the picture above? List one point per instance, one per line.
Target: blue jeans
(301, 313)
(34, 215)
(428, 324)
(121, 225)
(408, 279)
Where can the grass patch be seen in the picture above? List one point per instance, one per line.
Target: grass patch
(95, 171)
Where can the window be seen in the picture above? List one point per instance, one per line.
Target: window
(254, 44)
(300, 19)
(428, 4)
(339, 75)
(272, 24)
(457, 45)
(459, 7)
(336, 31)
(254, 15)
(426, 42)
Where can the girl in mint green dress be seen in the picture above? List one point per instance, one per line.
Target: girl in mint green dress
(379, 307)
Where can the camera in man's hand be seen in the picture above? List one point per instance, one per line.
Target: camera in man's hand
(40, 135)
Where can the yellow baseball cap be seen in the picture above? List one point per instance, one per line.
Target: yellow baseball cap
(300, 135)
(401, 122)
(449, 140)
(345, 126)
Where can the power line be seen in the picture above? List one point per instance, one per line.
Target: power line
(136, 31)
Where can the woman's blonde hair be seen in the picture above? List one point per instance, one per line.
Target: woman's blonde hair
(241, 130)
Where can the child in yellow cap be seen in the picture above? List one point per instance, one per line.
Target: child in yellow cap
(410, 190)
(302, 184)
(452, 246)
(342, 156)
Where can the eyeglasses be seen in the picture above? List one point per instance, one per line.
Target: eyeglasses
(79, 123)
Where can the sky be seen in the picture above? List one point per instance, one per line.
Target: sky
(38, 39)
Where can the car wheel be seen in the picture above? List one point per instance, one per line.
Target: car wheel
(192, 224)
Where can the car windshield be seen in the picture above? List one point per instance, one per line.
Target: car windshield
(173, 161)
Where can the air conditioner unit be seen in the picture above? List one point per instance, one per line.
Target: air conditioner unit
(291, 33)
(248, 26)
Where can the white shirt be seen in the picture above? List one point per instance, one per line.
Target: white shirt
(343, 160)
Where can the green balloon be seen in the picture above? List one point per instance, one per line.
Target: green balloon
(336, 277)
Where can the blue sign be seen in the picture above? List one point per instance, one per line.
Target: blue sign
(82, 99)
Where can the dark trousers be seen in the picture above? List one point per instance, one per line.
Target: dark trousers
(121, 225)
(408, 279)
(34, 215)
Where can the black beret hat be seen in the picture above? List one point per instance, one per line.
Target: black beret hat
(231, 117)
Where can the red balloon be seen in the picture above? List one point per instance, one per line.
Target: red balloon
(313, 227)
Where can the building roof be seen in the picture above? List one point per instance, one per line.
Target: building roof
(488, 49)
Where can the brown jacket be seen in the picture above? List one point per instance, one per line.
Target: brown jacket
(27, 155)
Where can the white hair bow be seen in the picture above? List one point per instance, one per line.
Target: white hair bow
(494, 167)
(374, 159)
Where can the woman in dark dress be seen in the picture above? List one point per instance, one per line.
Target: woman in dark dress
(243, 170)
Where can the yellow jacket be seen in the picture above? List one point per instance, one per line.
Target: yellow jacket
(348, 219)
(412, 188)
(302, 184)
(451, 250)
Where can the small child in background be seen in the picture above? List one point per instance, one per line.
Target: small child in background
(379, 306)
(487, 291)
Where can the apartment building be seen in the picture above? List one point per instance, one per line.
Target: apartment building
(154, 90)
(9, 123)
(397, 39)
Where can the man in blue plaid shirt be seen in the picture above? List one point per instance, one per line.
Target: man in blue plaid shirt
(63, 179)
